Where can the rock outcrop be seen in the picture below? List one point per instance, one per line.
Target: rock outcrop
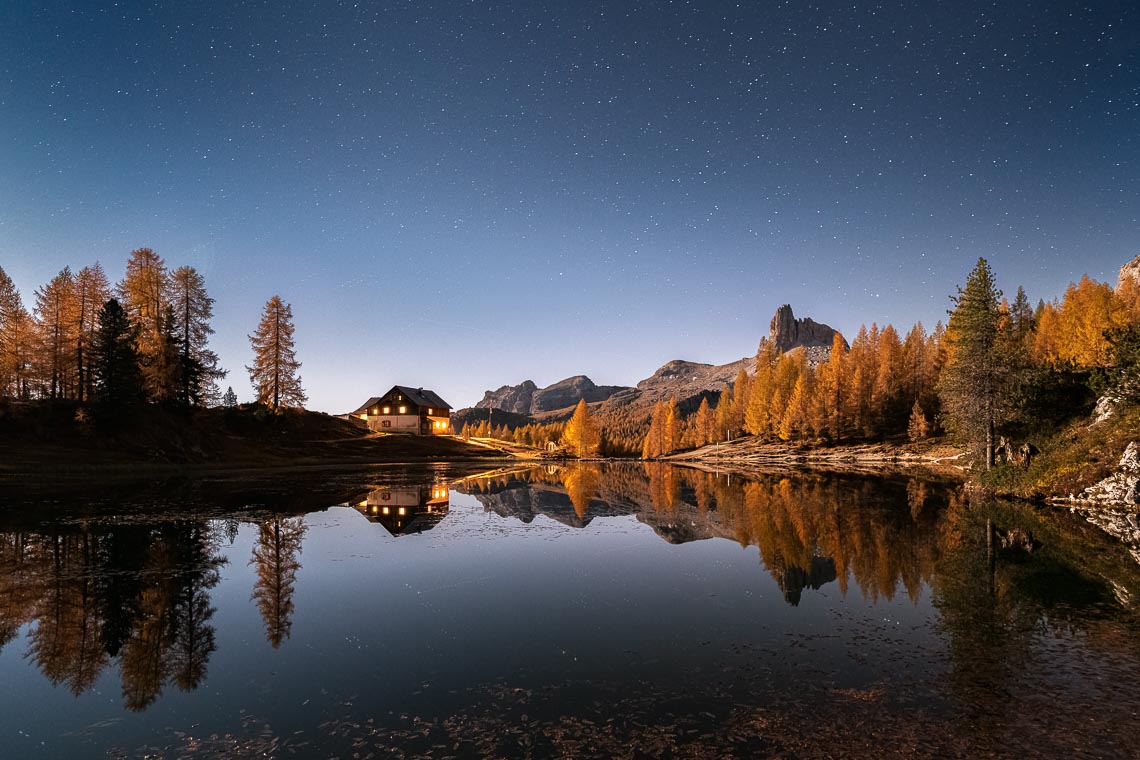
(786, 332)
(1130, 271)
(1120, 488)
(528, 398)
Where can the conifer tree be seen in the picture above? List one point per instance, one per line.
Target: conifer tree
(92, 290)
(974, 378)
(56, 310)
(832, 388)
(17, 340)
(654, 444)
(704, 424)
(143, 294)
(193, 308)
(917, 427)
(115, 363)
(758, 413)
(229, 398)
(582, 434)
(275, 366)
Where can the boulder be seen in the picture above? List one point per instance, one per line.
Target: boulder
(1120, 488)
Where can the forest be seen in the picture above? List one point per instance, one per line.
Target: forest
(997, 369)
(111, 350)
(998, 373)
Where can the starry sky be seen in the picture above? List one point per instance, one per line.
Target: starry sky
(461, 195)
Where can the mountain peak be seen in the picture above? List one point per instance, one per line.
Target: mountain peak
(786, 332)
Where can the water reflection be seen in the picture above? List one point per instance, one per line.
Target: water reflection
(276, 554)
(811, 529)
(136, 594)
(1001, 583)
(404, 510)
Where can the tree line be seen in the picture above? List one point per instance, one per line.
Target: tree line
(144, 340)
(996, 368)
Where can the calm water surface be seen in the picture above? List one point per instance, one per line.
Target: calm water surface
(577, 610)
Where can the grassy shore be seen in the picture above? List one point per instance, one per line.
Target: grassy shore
(55, 441)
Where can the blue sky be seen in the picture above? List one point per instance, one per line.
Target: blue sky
(464, 195)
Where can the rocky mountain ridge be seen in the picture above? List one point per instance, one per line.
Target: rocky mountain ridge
(1131, 270)
(685, 381)
(528, 398)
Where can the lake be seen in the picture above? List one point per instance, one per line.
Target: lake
(578, 610)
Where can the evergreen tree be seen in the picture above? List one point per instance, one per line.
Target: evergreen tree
(975, 376)
(274, 369)
(199, 373)
(582, 434)
(229, 398)
(163, 368)
(115, 363)
(1121, 379)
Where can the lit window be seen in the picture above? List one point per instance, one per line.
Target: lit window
(385, 510)
(387, 410)
(403, 511)
(403, 410)
(375, 411)
(430, 411)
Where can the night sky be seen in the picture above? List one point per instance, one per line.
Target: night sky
(463, 195)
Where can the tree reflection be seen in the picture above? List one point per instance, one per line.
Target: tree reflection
(276, 555)
(581, 482)
(96, 593)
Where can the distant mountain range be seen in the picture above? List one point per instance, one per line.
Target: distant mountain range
(687, 382)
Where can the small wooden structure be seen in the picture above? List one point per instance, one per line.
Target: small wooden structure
(406, 410)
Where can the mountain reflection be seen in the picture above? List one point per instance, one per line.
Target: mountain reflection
(811, 529)
(133, 593)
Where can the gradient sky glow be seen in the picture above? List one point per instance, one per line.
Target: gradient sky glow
(463, 195)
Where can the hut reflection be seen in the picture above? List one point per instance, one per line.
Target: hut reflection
(407, 510)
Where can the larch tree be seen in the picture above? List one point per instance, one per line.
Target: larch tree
(704, 425)
(758, 412)
(654, 444)
(92, 290)
(275, 366)
(582, 434)
(56, 309)
(198, 365)
(143, 294)
(973, 381)
(17, 332)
